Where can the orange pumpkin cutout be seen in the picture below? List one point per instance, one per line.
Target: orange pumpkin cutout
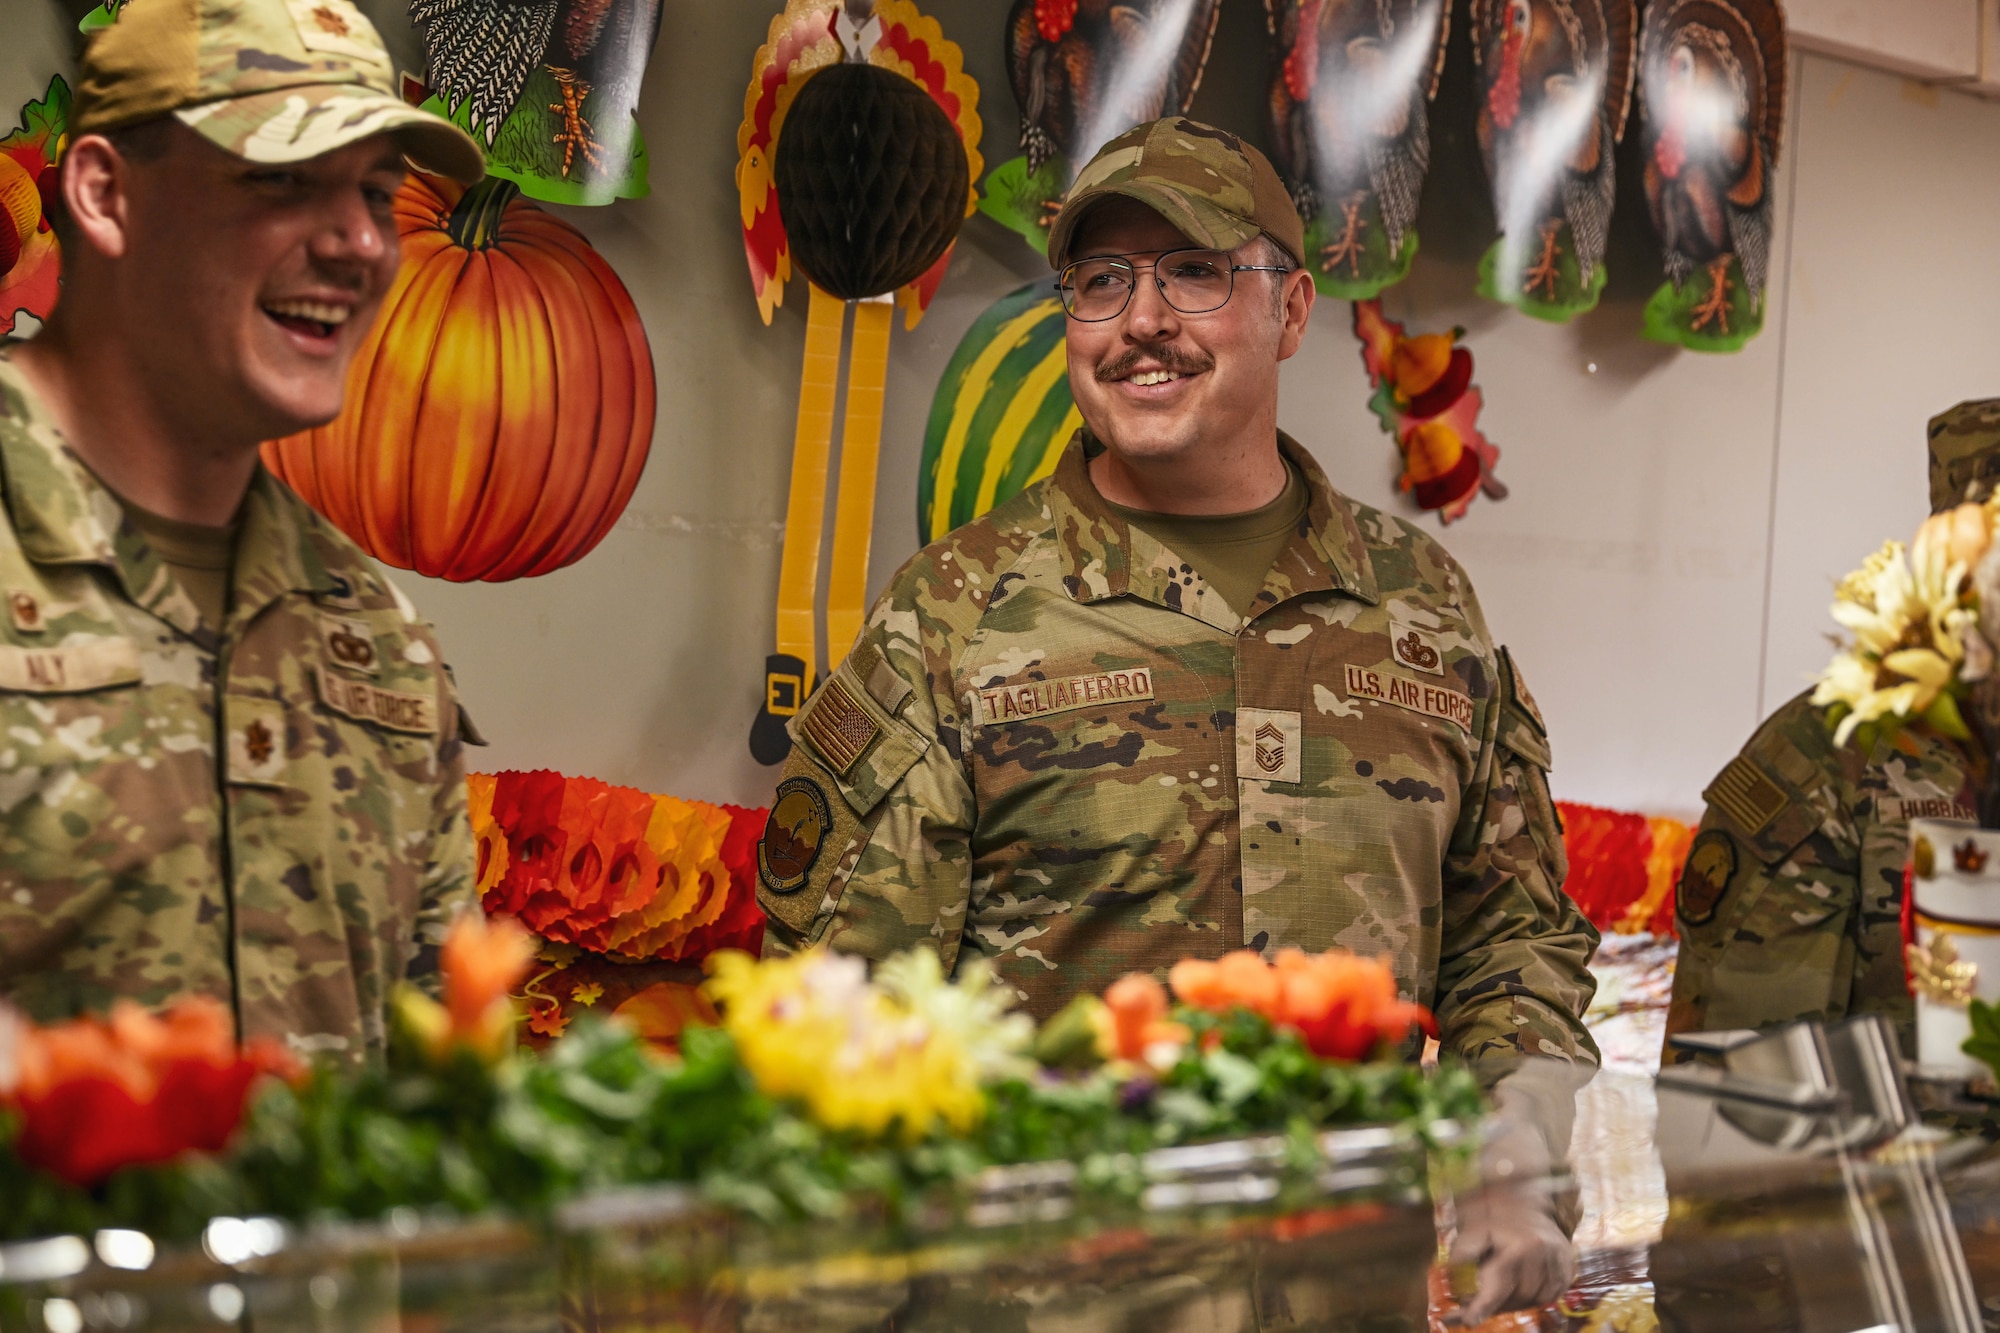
(499, 414)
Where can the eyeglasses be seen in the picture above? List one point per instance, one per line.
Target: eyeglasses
(1193, 282)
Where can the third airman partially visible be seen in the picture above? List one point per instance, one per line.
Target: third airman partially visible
(1790, 904)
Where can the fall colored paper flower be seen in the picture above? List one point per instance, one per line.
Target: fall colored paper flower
(614, 870)
(95, 1095)
(1344, 1006)
(1425, 398)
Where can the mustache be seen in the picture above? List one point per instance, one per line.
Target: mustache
(1166, 356)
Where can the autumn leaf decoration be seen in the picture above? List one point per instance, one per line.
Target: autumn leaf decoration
(1425, 398)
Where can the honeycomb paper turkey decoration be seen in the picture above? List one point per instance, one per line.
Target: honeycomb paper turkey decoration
(872, 179)
(857, 153)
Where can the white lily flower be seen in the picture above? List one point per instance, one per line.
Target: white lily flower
(1913, 617)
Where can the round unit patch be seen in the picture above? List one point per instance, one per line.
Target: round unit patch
(793, 835)
(1711, 864)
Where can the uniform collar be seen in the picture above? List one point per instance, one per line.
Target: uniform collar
(1104, 557)
(63, 515)
(275, 551)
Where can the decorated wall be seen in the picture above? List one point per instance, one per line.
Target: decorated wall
(1674, 520)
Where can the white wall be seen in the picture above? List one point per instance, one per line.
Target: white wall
(1895, 315)
(1661, 569)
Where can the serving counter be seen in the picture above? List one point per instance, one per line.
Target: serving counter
(1691, 1212)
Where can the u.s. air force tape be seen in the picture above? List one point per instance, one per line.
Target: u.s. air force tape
(370, 703)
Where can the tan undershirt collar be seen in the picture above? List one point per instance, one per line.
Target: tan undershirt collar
(1232, 552)
(199, 556)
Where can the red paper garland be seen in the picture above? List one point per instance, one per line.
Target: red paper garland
(628, 891)
(1623, 867)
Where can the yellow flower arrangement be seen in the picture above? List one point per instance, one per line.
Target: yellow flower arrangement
(906, 1051)
(1913, 617)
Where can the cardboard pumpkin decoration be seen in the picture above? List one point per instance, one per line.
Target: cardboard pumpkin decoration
(859, 146)
(499, 414)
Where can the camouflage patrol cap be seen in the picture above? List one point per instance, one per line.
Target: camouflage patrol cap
(1219, 191)
(267, 80)
(1965, 453)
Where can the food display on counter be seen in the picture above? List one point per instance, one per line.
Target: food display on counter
(840, 1079)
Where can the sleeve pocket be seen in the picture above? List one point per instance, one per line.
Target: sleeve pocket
(849, 733)
(850, 753)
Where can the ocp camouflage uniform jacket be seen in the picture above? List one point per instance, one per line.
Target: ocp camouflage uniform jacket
(1053, 746)
(273, 816)
(1790, 903)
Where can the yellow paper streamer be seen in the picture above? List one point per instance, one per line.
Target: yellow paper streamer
(854, 505)
(805, 511)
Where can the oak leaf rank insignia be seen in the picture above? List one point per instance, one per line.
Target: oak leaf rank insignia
(26, 612)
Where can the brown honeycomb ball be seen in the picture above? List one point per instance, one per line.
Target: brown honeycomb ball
(872, 180)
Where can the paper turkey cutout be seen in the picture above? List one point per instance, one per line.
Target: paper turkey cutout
(1350, 122)
(1555, 84)
(1712, 95)
(1084, 72)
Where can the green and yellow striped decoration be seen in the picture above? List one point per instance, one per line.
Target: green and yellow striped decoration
(1002, 413)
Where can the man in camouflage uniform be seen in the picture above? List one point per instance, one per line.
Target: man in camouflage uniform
(1055, 746)
(1064, 745)
(239, 778)
(1790, 903)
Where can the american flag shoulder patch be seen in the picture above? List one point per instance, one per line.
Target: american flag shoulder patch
(1745, 793)
(838, 726)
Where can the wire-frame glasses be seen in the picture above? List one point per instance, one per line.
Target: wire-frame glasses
(1193, 282)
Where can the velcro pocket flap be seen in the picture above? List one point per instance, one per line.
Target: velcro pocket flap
(1757, 795)
(854, 736)
(72, 667)
(1521, 728)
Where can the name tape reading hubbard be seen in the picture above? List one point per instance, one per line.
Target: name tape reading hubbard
(1038, 698)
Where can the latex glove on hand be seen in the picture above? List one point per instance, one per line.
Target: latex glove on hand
(1513, 1227)
(1510, 1236)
